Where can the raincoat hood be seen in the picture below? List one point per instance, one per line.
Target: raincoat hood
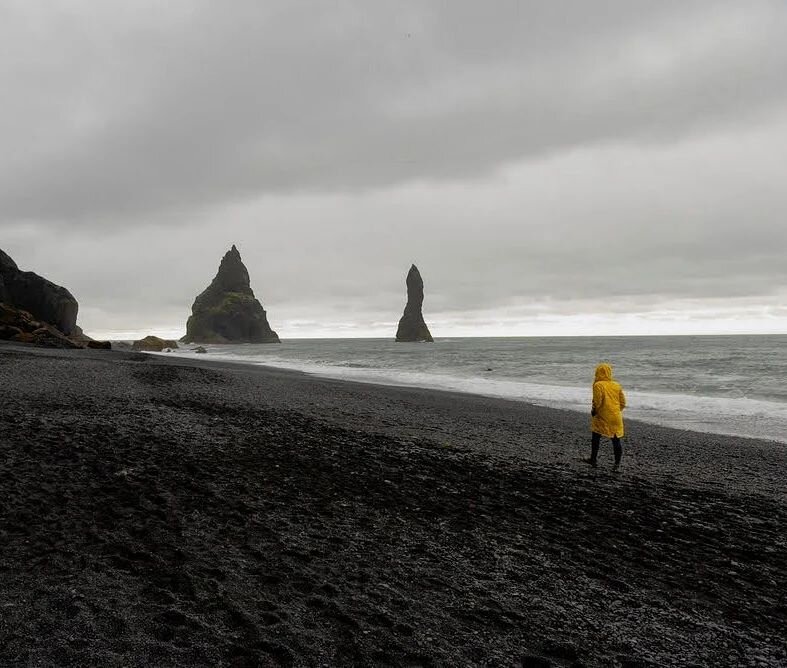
(603, 372)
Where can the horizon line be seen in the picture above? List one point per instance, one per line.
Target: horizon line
(463, 336)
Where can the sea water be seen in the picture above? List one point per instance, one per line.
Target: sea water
(721, 384)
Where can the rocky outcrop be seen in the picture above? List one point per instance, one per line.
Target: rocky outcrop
(99, 345)
(21, 327)
(227, 311)
(153, 344)
(412, 326)
(42, 299)
(78, 336)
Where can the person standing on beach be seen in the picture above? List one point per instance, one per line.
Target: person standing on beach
(606, 413)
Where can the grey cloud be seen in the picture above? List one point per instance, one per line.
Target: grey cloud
(536, 159)
(124, 111)
(616, 230)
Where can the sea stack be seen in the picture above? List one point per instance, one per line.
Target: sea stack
(412, 326)
(227, 311)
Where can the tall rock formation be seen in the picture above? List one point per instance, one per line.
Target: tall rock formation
(227, 311)
(45, 301)
(412, 326)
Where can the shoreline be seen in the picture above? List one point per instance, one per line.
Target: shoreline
(195, 512)
(327, 376)
(342, 376)
(675, 459)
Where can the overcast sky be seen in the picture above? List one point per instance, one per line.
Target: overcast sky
(553, 167)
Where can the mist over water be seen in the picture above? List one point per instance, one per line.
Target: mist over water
(721, 384)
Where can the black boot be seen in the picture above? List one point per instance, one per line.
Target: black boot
(594, 451)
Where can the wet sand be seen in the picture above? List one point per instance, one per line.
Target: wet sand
(164, 512)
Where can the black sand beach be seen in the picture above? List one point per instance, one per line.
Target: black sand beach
(160, 512)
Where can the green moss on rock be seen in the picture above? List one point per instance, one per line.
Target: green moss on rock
(227, 311)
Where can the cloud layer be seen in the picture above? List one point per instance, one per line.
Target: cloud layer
(582, 159)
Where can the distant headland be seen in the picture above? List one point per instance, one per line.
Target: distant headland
(35, 310)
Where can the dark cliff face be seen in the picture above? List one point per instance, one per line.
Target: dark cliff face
(45, 301)
(412, 326)
(227, 311)
(7, 265)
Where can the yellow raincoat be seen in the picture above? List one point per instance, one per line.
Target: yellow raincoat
(608, 404)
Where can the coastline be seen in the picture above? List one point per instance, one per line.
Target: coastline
(195, 512)
(721, 407)
(463, 418)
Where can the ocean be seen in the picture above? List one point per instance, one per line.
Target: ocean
(733, 385)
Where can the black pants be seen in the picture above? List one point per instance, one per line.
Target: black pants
(616, 446)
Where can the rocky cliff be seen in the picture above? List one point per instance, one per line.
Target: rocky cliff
(412, 326)
(227, 311)
(43, 300)
(19, 326)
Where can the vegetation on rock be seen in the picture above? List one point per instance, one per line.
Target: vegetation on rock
(153, 344)
(227, 311)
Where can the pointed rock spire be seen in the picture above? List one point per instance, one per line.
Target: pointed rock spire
(227, 311)
(412, 326)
